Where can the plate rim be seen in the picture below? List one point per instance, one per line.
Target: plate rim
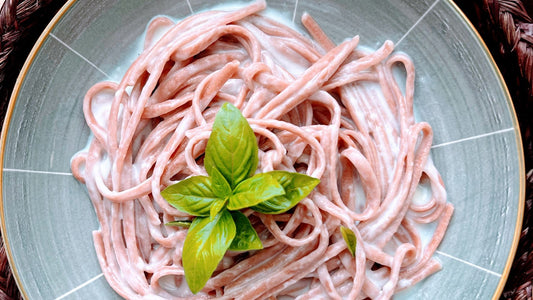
(5, 128)
(521, 159)
(455, 8)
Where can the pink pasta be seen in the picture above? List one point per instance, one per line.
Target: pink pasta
(330, 111)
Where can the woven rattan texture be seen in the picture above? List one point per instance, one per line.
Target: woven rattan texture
(505, 25)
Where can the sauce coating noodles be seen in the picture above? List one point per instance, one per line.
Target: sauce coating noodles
(330, 111)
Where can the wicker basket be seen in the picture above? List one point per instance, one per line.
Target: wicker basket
(505, 25)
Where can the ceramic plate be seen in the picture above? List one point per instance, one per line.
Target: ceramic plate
(47, 218)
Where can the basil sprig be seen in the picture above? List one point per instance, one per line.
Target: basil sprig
(231, 159)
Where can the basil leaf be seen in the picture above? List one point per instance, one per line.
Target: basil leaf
(180, 223)
(297, 186)
(205, 246)
(216, 207)
(254, 190)
(232, 147)
(246, 237)
(220, 185)
(193, 195)
(349, 238)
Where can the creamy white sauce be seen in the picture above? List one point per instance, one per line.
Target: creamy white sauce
(101, 105)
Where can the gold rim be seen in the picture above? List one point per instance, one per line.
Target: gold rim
(522, 167)
(5, 127)
(69, 3)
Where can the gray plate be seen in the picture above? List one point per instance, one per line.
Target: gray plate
(47, 217)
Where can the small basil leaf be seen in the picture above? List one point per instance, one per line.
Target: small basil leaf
(232, 147)
(350, 239)
(297, 186)
(181, 223)
(216, 207)
(246, 237)
(254, 190)
(220, 185)
(205, 246)
(193, 195)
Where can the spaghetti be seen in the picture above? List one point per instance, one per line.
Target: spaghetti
(330, 111)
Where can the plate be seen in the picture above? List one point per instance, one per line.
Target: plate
(47, 218)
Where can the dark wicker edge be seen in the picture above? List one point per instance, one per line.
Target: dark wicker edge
(505, 26)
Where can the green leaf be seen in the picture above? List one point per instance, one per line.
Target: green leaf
(204, 248)
(297, 186)
(193, 195)
(180, 223)
(216, 207)
(349, 238)
(246, 237)
(220, 186)
(254, 190)
(231, 148)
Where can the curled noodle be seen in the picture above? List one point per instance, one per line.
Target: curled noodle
(330, 111)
